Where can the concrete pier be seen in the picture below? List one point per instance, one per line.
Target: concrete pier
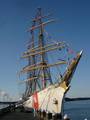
(18, 116)
(12, 113)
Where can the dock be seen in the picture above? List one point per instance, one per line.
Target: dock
(18, 116)
(11, 113)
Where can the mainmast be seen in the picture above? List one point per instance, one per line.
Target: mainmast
(45, 72)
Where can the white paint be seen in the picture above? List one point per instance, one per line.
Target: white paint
(46, 99)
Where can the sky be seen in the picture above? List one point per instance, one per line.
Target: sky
(72, 25)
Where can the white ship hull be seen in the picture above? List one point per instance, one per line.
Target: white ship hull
(50, 99)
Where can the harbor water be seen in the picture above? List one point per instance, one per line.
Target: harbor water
(3, 105)
(78, 110)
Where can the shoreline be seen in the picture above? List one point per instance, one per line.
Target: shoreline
(76, 99)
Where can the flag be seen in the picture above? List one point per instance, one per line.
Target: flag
(70, 51)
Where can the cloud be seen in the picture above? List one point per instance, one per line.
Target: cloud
(3, 94)
(7, 97)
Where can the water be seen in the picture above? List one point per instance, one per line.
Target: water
(3, 106)
(78, 110)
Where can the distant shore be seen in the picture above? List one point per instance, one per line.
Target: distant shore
(67, 99)
(76, 99)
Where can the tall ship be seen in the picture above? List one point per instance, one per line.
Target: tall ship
(50, 67)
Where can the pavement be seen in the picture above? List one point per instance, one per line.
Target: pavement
(15, 115)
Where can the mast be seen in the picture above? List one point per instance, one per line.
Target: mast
(44, 71)
(30, 85)
(38, 68)
(45, 79)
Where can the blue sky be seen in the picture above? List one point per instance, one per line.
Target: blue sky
(72, 25)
